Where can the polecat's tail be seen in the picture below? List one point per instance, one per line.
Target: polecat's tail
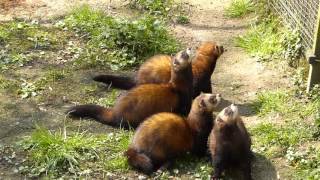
(139, 161)
(118, 81)
(99, 113)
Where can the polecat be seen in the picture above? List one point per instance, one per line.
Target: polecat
(164, 136)
(230, 143)
(157, 70)
(148, 99)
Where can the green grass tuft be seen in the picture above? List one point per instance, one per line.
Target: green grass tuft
(120, 43)
(269, 39)
(239, 8)
(271, 102)
(18, 39)
(58, 153)
(154, 7)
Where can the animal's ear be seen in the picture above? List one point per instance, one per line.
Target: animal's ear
(202, 103)
(201, 93)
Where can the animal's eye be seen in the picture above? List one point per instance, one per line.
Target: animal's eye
(176, 62)
(212, 100)
(219, 120)
(202, 103)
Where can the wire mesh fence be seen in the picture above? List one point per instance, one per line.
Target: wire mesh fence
(298, 14)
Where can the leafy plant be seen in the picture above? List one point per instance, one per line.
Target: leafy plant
(28, 89)
(155, 7)
(119, 43)
(239, 8)
(182, 19)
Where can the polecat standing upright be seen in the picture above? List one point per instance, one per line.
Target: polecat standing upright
(164, 136)
(229, 143)
(157, 70)
(147, 99)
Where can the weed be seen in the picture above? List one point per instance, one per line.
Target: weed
(7, 59)
(182, 19)
(154, 7)
(107, 101)
(7, 84)
(268, 135)
(115, 160)
(201, 168)
(267, 40)
(163, 9)
(28, 89)
(18, 39)
(306, 161)
(119, 43)
(299, 128)
(56, 153)
(271, 102)
(239, 8)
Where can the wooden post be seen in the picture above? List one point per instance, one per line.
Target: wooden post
(314, 58)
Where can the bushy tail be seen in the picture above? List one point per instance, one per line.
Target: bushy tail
(139, 161)
(99, 113)
(118, 81)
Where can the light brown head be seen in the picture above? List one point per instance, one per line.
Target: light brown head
(227, 117)
(210, 49)
(181, 60)
(206, 102)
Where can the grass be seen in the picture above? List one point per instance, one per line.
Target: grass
(154, 7)
(239, 8)
(18, 39)
(166, 10)
(119, 43)
(270, 40)
(298, 127)
(106, 101)
(58, 153)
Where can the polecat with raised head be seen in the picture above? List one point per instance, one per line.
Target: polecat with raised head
(164, 136)
(230, 143)
(157, 70)
(148, 99)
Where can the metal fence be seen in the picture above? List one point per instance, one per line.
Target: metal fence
(298, 14)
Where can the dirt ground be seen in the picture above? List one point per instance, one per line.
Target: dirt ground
(238, 77)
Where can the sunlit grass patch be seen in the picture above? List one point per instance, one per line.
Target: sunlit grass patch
(57, 153)
(119, 42)
(269, 40)
(272, 102)
(239, 8)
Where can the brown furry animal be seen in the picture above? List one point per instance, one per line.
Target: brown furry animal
(157, 70)
(163, 136)
(229, 143)
(148, 99)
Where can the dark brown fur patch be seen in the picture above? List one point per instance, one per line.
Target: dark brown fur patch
(229, 145)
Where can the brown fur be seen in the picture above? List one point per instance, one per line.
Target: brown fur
(157, 70)
(145, 100)
(229, 144)
(163, 136)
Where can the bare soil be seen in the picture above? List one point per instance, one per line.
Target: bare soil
(238, 77)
